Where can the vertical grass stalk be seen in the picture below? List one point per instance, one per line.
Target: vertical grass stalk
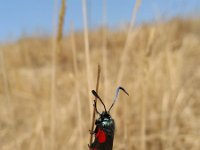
(55, 47)
(87, 53)
(104, 49)
(93, 114)
(6, 86)
(128, 42)
(77, 89)
(125, 54)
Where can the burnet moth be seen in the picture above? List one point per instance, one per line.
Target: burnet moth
(105, 125)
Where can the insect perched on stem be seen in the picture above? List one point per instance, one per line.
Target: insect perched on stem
(105, 125)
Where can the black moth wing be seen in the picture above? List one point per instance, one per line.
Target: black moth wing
(108, 127)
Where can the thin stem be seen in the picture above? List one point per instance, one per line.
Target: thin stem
(128, 42)
(87, 52)
(6, 85)
(56, 47)
(93, 116)
(77, 89)
(104, 49)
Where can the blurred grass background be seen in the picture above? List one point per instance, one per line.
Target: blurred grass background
(158, 65)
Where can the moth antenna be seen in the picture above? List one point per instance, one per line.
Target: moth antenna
(116, 96)
(97, 96)
(95, 106)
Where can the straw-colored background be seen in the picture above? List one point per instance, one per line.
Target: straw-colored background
(157, 64)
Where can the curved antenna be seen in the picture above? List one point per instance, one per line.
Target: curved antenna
(97, 96)
(116, 96)
(95, 106)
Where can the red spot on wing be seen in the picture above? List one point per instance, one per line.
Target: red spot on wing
(101, 136)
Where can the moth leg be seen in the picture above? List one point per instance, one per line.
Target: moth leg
(92, 132)
(95, 131)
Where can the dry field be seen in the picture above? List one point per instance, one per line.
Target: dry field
(159, 67)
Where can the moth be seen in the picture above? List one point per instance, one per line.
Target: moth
(105, 125)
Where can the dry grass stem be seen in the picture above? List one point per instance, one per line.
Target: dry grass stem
(128, 41)
(104, 50)
(87, 54)
(55, 47)
(94, 112)
(77, 86)
(61, 21)
(6, 87)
